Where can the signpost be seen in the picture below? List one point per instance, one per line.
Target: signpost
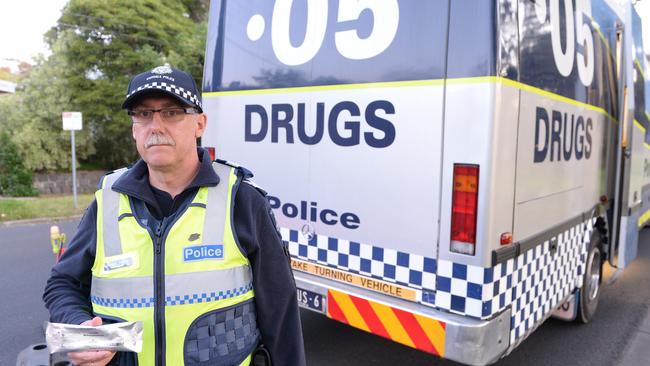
(72, 122)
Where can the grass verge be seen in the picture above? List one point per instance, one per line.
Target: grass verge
(44, 206)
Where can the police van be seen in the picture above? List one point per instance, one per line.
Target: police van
(447, 174)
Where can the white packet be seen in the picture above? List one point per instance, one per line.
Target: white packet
(126, 336)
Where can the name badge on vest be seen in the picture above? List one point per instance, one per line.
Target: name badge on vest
(122, 261)
(202, 252)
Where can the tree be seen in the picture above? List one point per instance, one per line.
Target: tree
(6, 74)
(198, 9)
(23, 70)
(15, 179)
(99, 45)
(8, 113)
(32, 118)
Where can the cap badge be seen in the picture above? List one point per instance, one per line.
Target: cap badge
(165, 69)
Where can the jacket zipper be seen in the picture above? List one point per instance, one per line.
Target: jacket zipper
(159, 295)
(159, 236)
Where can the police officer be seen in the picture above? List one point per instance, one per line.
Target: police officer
(186, 245)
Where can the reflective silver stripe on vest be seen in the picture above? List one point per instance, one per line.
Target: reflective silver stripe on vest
(131, 292)
(180, 288)
(195, 287)
(110, 213)
(215, 215)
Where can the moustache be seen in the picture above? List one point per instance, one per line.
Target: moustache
(157, 139)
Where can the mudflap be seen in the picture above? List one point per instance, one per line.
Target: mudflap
(568, 310)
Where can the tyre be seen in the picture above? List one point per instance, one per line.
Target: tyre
(591, 281)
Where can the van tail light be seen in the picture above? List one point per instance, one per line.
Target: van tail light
(464, 208)
(506, 239)
(212, 152)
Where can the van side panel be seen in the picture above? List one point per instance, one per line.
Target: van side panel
(638, 194)
(641, 106)
(565, 126)
(566, 129)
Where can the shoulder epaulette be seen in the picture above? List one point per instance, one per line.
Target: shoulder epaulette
(119, 172)
(246, 174)
(254, 185)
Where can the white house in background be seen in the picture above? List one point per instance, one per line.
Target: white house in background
(7, 87)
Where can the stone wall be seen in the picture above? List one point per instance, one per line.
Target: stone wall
(49, 183)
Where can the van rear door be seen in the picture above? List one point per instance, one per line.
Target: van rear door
(337, 109)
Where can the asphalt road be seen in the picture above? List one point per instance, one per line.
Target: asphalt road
(26, 258)
(25, 261)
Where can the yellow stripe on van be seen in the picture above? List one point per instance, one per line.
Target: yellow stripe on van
(532, 89)
(300, 89)
(639, 126)
(644, 218)
(559, 98)
(602, 38)
(638, 64)
(410, 83)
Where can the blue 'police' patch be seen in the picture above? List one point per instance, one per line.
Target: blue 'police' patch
(201, 252)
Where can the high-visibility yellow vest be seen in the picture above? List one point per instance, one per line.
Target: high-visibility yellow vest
(191, 286)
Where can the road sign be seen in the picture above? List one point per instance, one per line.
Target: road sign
(72, 121)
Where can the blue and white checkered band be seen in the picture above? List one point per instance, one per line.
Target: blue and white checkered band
(532, 284)
(390, 265)
(181, 299)
(207, 297)
(134, 302)
(181, 92)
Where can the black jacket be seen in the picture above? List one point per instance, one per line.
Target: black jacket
(68, 290)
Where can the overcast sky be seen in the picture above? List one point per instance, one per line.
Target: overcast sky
(23, 23)
(643, 8)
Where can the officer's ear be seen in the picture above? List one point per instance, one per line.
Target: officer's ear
(201, 123)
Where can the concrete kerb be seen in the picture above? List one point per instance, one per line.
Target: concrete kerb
(38, 220)
(637, 352)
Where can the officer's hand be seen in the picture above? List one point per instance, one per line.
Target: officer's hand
(91, 358)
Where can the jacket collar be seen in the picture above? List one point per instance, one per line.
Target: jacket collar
(135, 182)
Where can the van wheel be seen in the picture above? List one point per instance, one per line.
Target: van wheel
(590, 292)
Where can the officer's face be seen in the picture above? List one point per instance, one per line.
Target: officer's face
(165, 144)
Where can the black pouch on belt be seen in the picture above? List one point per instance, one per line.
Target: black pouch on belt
(261, 357)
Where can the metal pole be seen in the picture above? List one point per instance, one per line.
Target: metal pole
(74, 169)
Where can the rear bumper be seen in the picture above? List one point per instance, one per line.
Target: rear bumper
(462, 339)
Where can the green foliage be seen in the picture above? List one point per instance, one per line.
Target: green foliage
(5, 74)
(33, 118)
(8, 113)
(23, 70)
(97, 47)
(105, 43)
(15, 179)
(197, 9)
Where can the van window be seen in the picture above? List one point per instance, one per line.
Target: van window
(538, 64)
(276, 44)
